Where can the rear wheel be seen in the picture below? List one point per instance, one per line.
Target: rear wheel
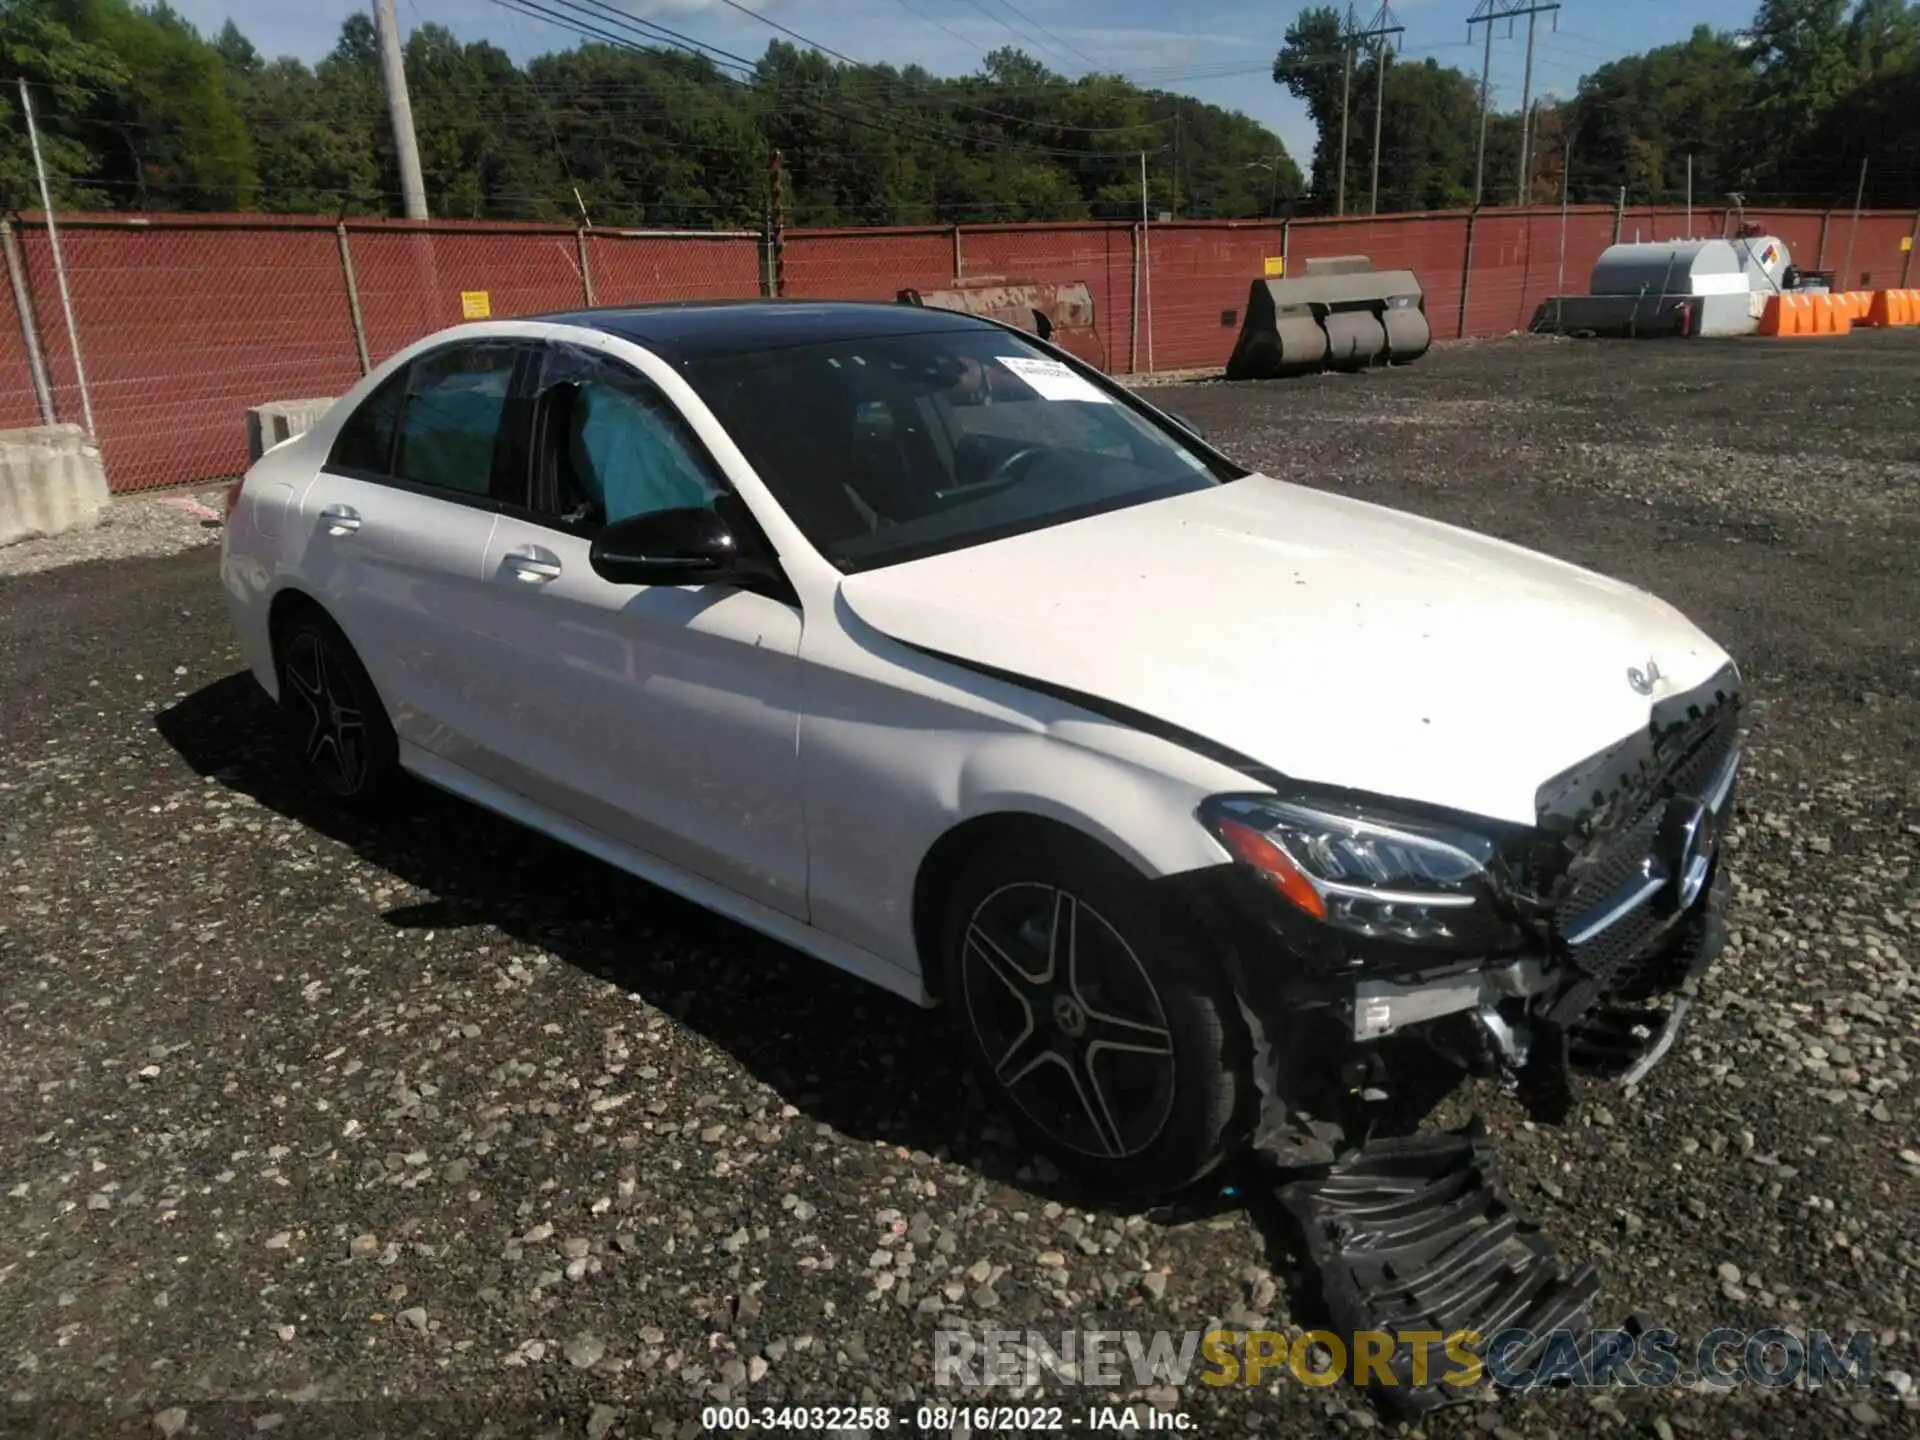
(1116, 1049)
(339, 725)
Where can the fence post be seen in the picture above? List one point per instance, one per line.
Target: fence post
(586, 273)
(353, 295)
(1466, 274)
(1820, 257)
(776, 227)
(1133, 334)
(1913, 244)
(1286, 245)
(959, 273)
(1619, 214)
(29, 325)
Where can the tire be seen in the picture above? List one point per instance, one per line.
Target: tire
(337, 722)
(1116, 1049)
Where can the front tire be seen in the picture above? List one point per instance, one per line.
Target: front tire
(1114, 1045)
(336, 719)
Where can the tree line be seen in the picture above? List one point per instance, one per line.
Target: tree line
(139, 111)
(1782, 112)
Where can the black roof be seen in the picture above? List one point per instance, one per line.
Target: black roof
(701, 329)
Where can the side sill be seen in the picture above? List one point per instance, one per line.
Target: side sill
(703, 892)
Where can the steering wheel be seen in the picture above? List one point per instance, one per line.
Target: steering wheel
(1002, 474)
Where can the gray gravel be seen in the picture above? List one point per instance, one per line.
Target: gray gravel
(443, 1124)
(134, 526)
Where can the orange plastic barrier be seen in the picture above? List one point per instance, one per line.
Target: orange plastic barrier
(1894, 307)
(1783, 315)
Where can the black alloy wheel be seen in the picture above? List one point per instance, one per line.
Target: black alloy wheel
(339, 725)
(1079, 1036)
(1113, 1045)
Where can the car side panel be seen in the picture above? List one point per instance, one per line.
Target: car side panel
(897, 748)
(663, 716)
(255, 564)
(403, 587)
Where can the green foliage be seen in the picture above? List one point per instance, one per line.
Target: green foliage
(64, 73)
(140, 111)
(1639, 119)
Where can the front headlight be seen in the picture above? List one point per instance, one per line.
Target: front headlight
(1376, 875)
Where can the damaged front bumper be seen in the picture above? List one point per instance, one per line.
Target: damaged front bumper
(1618, 1025)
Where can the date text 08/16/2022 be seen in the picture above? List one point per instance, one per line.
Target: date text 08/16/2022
(943, 1419)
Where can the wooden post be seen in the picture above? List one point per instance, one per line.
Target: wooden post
(1466, 273)
(353, 296)
(586, 271)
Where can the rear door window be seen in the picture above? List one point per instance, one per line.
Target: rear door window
(450, 424)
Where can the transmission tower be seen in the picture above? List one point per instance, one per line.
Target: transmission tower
(1486, 13)
(1385, 25)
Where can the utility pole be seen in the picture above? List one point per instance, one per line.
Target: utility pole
(1526, 118)
(393, 70)
(1385, 23)
(1486, 69)
(1485, 13)
(1347, 27)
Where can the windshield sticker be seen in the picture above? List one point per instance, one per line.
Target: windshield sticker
(1051, 380)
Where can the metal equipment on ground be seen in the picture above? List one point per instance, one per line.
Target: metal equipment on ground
(1060, 313)
(1680, 287)
(1341, 314)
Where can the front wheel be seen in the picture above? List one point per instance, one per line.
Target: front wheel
(1113, 1044)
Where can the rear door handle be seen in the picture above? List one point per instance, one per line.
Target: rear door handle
(340, 519)
(533, 566)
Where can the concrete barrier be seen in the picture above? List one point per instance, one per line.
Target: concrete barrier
(278, 420)
(51, 481)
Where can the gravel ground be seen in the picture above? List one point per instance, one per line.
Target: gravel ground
(462, 1133)
(134, 526)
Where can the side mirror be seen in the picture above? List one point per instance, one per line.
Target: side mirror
(1184, 423)
(689, 546)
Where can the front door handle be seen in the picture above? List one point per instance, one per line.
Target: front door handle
(340, 519)
(533, 566)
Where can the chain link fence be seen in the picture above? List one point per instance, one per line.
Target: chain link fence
(184, 322)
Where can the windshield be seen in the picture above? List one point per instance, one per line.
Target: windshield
(891, 449)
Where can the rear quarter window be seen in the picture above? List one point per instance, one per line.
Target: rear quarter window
(365, 442)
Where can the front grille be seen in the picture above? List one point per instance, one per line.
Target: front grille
(1614, 860)
(1615, 864)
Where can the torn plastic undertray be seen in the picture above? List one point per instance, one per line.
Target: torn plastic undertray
(1418, 1234)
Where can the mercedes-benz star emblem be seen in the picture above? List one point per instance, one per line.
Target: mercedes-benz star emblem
(1643, 681)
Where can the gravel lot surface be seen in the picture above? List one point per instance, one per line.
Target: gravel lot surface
(462, 1133)
(134, 525)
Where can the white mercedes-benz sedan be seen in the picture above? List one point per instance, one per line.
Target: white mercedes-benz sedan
(1198, 797)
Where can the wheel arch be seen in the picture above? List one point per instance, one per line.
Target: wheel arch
(946, 860)
(290, 601)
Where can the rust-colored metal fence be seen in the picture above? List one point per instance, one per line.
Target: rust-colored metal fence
(185, 321)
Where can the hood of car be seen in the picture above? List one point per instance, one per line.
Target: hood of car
(1338, 642)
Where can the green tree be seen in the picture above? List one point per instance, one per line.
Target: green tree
(170, 135)
(66, 75)
(1637, 121)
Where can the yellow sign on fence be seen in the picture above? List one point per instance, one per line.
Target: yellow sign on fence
(1276, 266)
(1906, 243)
(475, 305)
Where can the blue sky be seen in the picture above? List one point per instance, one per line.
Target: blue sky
(1218, 50)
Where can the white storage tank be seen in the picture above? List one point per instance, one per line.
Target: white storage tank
(1672, 267)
